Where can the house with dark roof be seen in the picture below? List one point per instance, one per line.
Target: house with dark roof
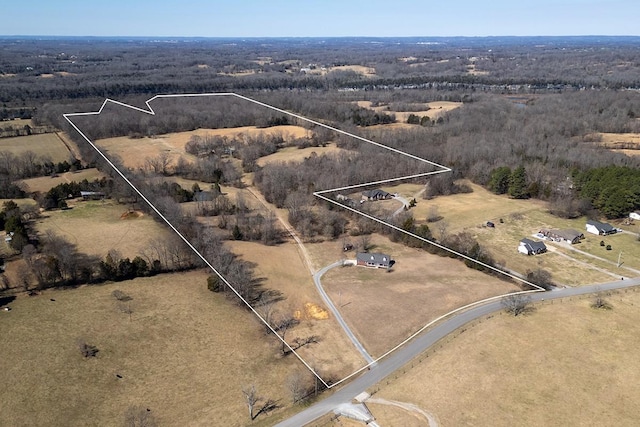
(376, 194)
(531, 247)
(373, 260)
(569, 235)
(600, 228)
(92, 195)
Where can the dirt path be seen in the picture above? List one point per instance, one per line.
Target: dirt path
(71, 146)
(304, 254)
(432, 419)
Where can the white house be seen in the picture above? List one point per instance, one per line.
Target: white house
(531, 247)
(600, 228)
(635, 215)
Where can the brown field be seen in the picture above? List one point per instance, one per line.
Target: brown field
(47, 144)
(383, 308)
(15, 123)
(45, 183)
(626, 143)
(294, 154)
(185, 354)
(134, 151)
(282, 268)
(564, 364)
(435, 109)
(96, 227)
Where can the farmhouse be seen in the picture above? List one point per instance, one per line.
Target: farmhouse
(600, 228)
(634, 215)
(531, 247)
(373, 260)
(569, 235)
(375, 194)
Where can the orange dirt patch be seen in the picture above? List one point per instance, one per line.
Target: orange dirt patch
(131, 215)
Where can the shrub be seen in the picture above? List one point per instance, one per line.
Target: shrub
(601, 242)
(608, 247)
(121, 296)
(87, 350)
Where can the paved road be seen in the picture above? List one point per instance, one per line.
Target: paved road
(316, 279)
(404, 355)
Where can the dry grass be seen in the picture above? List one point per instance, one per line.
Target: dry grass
(435, 109)
(134, 151)
(96, 227)
(626, 143)
(185, 354)
(283, 269)
(383, 308)
(45, 183)
(294, 154)
(15, 123)
(565, 364)
(47, 144)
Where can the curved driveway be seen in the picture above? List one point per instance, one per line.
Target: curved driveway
(316, 279)
(404, 355)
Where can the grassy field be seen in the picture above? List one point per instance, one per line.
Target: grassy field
(383, 308)
(185, 354)
(626, 143)
(434, 109)
(45, 183)
(564, 364)
(282, 268)
(523, 218)
(47, 144)
(134, 151)
(296, 154)
(96, 227)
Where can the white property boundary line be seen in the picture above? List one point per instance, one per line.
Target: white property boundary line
(319, 194)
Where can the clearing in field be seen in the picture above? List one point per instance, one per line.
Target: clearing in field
(96, 227)
(564, 364)
(626, 143)
(44, 145)
(432, 109)
(134, 151)
(184, 353)
(45, 183)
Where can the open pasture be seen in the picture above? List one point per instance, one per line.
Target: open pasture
(47, 145)
(97, 227)
(185, 353)
(45, 183)
(383, 308)
(135, 151)
(564, 364)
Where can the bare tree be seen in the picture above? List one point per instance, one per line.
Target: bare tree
(600, 302)
(298, 386)
(517, 304)
(251, 398)
(365, 242)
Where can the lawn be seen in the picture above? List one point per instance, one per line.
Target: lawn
(173, 356)
(564, 364)
(45, 183)
(44, 145)
(295, 154)
(383, 308)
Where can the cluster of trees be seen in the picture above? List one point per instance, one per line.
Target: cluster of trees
(57, 196)
(613, 190)
(503, 180)
(12, 222)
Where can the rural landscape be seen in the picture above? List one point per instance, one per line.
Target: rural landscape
(342, 231)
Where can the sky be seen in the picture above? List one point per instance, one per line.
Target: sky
(321, 18)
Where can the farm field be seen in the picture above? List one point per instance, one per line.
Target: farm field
(563, 364)
(97, 227)
(173, 356)
(45, 183)
(434, 109)
(626, 143)
(294, 154)
(134, 151)
(44, 145)
(383, 308)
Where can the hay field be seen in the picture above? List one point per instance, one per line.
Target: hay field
(96, 227)
(134, 151)
(564, 364)
(626, 143)
(434, 110)
(383, 308)
(46, 144)
(45, 183)
(173, 355)
(294, 154)
(282, 269)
